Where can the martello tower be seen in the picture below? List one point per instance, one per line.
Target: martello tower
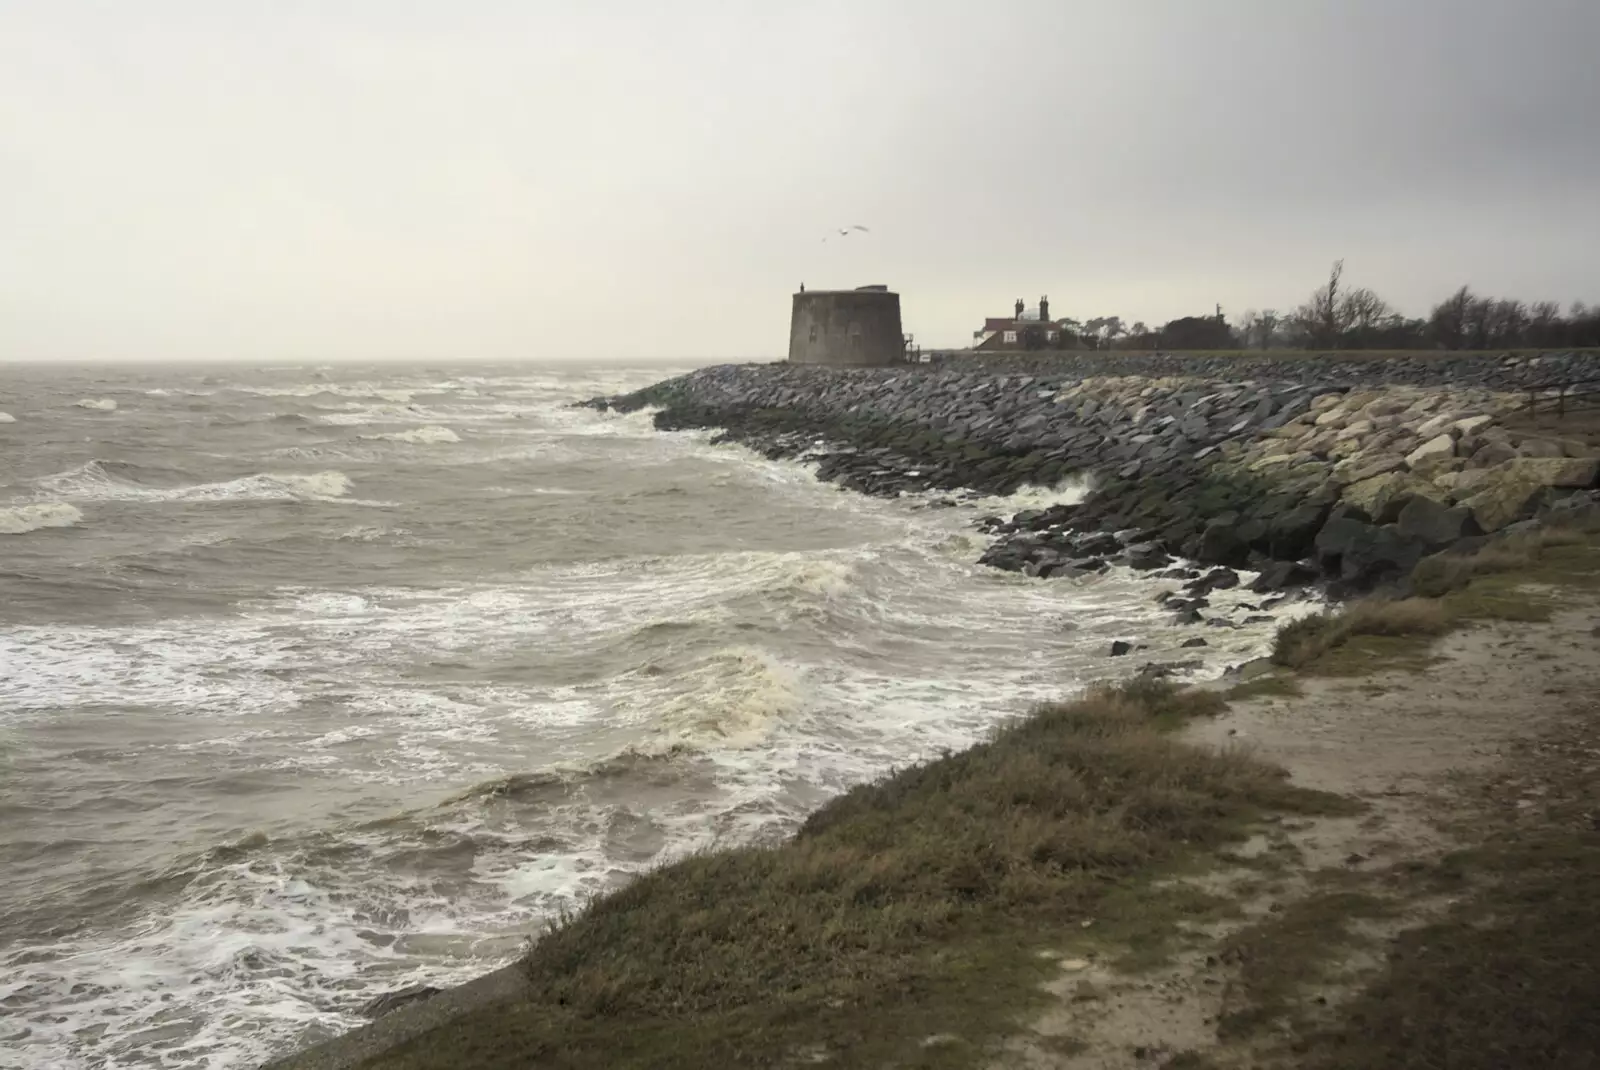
(853, 328)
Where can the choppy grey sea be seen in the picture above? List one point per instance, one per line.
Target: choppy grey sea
(318, 682)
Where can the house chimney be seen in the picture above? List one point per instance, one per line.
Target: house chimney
(1020, 307)
(1044, 310)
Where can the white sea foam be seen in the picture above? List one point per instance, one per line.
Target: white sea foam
(251, 943)
(257, 951)
(97, 404)
(427, 435)
(92, 482)
(185, 665)
(7, 418)
(371, 533)
(21, 519)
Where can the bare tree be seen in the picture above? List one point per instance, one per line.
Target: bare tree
(1507, 323)
(1449, 319)
(1544, 323)
(1091, 331)
(1267, 327)
(1321, 319)
(1362, 313)
(1111, 329)
(1248, 319)
(1071, 333)
(1364, 309)
(1329, 306)
(1479, 322)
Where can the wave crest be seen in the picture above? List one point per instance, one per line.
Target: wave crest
(734, 697)
(1070, 491)
(97, 404)
(429, 435)
(111, 481)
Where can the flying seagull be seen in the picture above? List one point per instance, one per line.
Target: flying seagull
(845, 232)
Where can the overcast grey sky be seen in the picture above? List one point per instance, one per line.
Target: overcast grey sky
(327, 179)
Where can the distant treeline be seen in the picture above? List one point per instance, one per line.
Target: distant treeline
(1337, 316)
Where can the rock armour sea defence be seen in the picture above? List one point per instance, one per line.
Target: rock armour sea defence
(1305, 469)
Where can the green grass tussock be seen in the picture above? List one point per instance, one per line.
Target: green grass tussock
(1274, 686)
(1303, 643)
(914, 906)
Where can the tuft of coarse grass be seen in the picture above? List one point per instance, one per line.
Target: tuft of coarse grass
(1439, 575)
(914, 907)
(1403, 625)
(1273, 686)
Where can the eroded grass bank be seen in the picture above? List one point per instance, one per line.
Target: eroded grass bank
(910, 922)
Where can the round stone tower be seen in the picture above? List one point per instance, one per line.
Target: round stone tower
(855, 328)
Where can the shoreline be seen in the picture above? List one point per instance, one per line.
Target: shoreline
(861, 457)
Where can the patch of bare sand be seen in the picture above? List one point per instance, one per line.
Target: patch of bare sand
(1412, 746)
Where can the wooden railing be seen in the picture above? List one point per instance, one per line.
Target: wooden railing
(1583, 394)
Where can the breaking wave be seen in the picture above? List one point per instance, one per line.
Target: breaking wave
(97, 404)
(356, 415)
(1069, 491)
(21, 519)
(110, 481)
(734, 697)
(430, 435)
(7, 418)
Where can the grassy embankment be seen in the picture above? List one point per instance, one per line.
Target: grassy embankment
(912, 922)
(909, 922)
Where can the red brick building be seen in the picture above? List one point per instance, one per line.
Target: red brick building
(1026, 328)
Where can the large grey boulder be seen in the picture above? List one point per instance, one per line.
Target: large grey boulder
(1436, 525)
(1220, 544)
(1365, 555)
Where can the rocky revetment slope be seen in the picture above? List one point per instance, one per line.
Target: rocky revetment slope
(1348, 471)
